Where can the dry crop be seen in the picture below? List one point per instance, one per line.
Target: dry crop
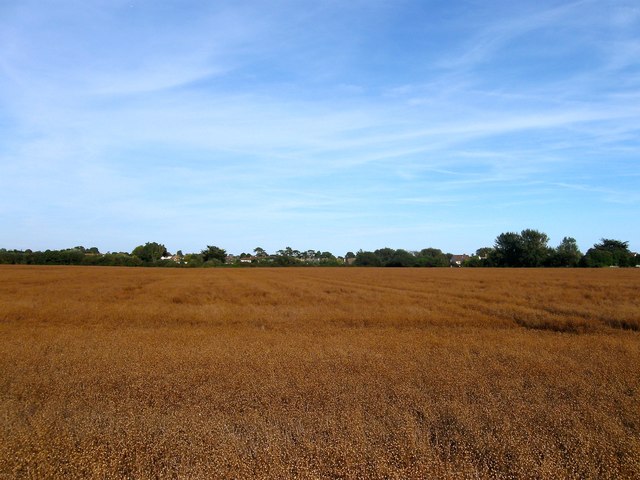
(319, 373)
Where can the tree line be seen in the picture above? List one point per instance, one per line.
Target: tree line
(527, 249)
(530, 248)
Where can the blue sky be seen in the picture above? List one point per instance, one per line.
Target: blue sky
(327, 125)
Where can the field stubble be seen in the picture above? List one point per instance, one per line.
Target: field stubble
(319, 373)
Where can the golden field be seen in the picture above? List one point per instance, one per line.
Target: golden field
(319, 373)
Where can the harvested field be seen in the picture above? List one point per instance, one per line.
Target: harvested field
(319, 373)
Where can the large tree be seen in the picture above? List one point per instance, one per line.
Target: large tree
(385, 255)
(432, 257)
(535, 248)
(260, 252)
(508, 250)
(214, 253)
(609, 253)
(402, 258)
(567, 254)
(367, 259)
(526, 249)
(150, 252)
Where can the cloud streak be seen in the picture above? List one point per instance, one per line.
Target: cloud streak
(168, 115)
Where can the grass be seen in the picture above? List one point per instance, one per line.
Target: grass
(319, 373)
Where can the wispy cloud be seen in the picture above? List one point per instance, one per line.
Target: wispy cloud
(489, 38)
(161, 115)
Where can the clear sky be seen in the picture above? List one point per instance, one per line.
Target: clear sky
(328, 125)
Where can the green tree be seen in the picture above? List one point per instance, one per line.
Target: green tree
(567, 254)
(385, 255)
(526, 249)
(213, 253)
(535, 248)
(367, 259)
(608, 253)
(595, 258)
(118, 259)
(286, 252)
(432, 257)
(473, 262)
(286, 256)
(150, 252)
(507, 250)
(402, 258)
(193, 260)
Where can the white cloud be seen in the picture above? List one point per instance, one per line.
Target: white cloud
(222, 114)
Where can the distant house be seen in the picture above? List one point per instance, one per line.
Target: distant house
(458, 260)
